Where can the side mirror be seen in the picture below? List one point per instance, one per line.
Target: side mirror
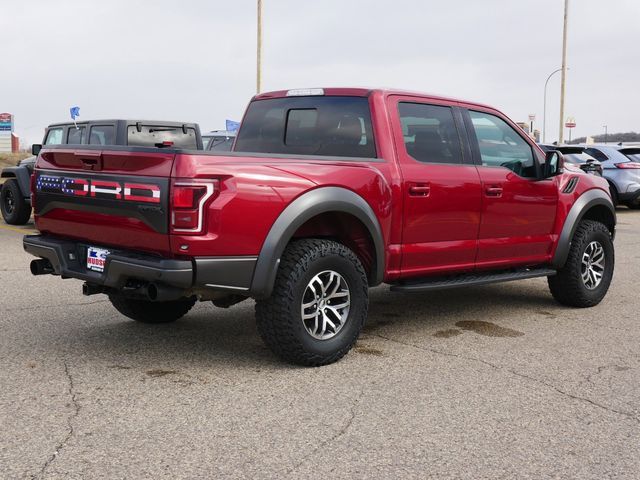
(35, 149)
(592, 166)
(553, 164)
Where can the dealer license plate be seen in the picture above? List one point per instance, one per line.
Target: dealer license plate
(96, 258)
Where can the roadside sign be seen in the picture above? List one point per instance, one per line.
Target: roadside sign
(570, 123)
(532, 117)
(6, 122)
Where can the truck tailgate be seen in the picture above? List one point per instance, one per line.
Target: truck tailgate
(105, 197)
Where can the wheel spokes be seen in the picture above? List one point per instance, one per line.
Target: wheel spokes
(322, 319)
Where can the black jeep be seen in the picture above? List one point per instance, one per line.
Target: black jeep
(15, 196)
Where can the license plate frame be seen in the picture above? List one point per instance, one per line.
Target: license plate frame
(96, 258)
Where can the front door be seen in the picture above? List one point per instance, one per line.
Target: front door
(440, 188)
(518, 208)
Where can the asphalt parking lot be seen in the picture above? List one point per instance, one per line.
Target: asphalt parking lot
(487, 382)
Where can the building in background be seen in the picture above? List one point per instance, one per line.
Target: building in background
(9, 142)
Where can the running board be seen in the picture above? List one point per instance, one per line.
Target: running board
(471, 280)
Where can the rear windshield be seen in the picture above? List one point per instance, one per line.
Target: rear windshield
(325, 126)
(632, 153)
(155, 135)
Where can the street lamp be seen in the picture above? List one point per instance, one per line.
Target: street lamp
(564, 71)
(259, 49)
(544, 110)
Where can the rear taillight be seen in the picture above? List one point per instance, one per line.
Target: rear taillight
(628, 165)
(188, 201)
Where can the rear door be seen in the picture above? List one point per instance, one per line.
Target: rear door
(440, 187)
(518, 209)
(105, 195)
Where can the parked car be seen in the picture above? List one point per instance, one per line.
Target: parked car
(576, 155)
(327, 193)
(621, 168)
(15, 200)
(218, 140)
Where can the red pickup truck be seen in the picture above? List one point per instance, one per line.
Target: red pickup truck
(326, 193)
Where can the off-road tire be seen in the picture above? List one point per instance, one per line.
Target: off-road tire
(20, 211)
(279, 319)
(146, 311)
(567, 286)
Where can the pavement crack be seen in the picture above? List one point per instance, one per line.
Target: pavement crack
(518, 374)
(344, 429)
(70, 428)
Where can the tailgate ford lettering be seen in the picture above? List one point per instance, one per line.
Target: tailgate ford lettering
(142, 198)
(133, 192)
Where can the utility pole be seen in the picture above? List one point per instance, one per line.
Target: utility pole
(605, 133)
(544, 109)
(564, 72)
(259, 52)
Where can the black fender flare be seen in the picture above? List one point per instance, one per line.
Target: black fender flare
(22, 176)
(582, 205)
(305, 207)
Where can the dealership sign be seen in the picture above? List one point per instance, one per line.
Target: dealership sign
(6, 122)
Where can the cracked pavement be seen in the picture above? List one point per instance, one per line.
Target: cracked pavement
(488, 382)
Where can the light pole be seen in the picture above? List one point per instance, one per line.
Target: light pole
(544, 109)
(259, 48)
(605, 133)
(564, 71)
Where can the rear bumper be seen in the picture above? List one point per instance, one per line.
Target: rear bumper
(68, 259)
(631, 196)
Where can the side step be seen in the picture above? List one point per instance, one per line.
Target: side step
(471, 279)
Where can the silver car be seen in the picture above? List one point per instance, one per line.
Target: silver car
(621, 168)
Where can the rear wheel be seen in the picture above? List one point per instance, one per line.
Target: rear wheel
(585, 278)
(15, 209)
(146, 311)
(318, 306)
(633, 205)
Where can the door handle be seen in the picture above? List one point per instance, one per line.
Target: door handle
(493, 191)
(419, 189)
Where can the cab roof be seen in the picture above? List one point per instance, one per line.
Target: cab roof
(362, 92)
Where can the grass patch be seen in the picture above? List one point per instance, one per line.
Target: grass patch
(10, 159)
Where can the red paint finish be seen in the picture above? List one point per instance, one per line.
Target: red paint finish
(518, 216)
(434, 218)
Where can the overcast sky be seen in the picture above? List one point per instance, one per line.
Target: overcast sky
(194, 60)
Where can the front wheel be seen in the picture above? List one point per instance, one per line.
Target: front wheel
(585, 278)
(15, 209)
(318, 306)
(146, 311)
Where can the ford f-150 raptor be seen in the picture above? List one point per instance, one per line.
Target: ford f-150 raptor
(327, 193)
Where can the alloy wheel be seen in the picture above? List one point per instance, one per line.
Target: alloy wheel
(325, 305)
(593, 264)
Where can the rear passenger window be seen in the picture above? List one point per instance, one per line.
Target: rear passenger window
(155, 135)
(430, 133)
(54, 136)
(501, 146)
(102, 135)
(75, 135)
